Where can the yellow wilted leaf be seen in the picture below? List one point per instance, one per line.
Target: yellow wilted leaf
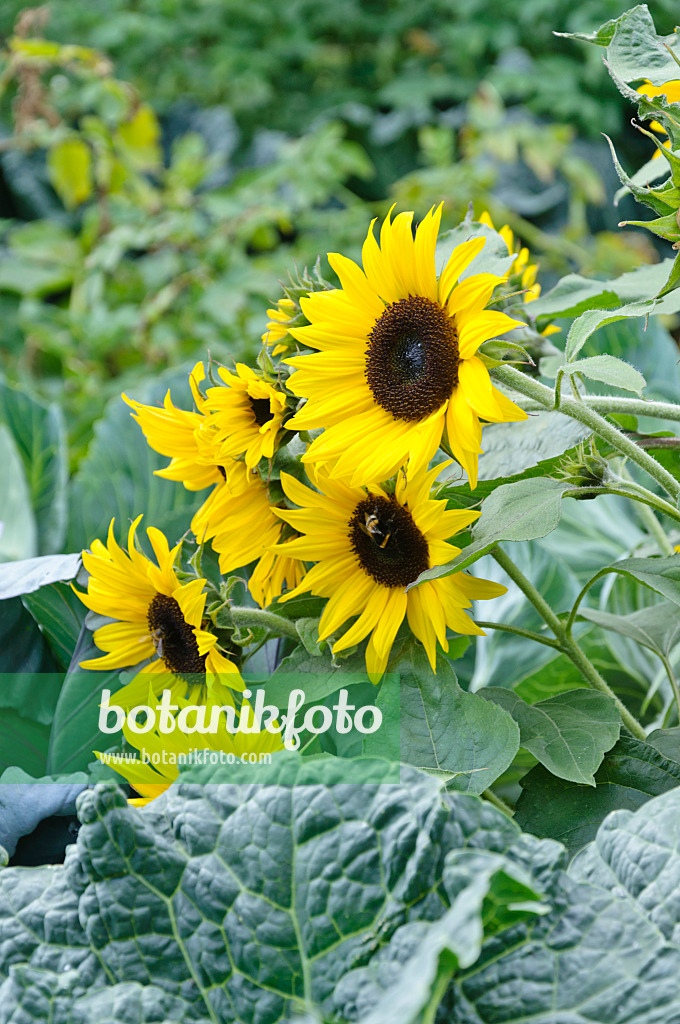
(140, 137)
(69, 163)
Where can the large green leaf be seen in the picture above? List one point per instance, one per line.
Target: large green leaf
(659, 574)
(40, 436)
(29, 674)
(29, 574)
(656, 627)
(18, 536)
(629, 775)
(75, 731)
(429, 722)
(369, 902)
(60, 615)
(568, 733)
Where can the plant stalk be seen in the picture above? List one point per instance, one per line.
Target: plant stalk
(276, 624)
(579, 410)
(567, 643)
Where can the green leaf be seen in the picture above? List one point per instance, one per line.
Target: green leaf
(69, 163)
(568, 733)
(593, 319)
(609, 370)
(429, 722)
(31, 574)
(510, 449)
(629, 775)
(636, 52)
(573, 294)
(18, 536)
(659, 574)
(315, 673)
(518, 511)
(23, 743)
(382, 903)
(40, 436)
(75, 730)
(667, 741)
(656, 627)
(60, 615)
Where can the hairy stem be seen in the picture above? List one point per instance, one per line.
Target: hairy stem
(494, 799)
(579, 410)
(630, 406)
(518, 631)
(276, 624)
(566, 642)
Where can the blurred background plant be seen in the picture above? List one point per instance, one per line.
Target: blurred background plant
(163, 164)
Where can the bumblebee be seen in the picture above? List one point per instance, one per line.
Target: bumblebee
(374, 530)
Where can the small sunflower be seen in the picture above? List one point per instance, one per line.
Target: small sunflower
(247, 415)
(277, 327)
(152, 779)
(369, 545)
(521, 267)
(236, 516)
(187, 438)
(397, 365)
(242, 526)
(156, 615)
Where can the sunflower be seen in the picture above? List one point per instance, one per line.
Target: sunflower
(155, 615)
(236, 516)
(247, 415)
(671, 91)
(521, 267)
(241, 525)
(369, 545)
(187, 438)
(152, 779)
(398, 361)
(277, 327)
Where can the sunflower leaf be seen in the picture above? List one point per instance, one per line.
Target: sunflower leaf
(593, 319)
(430, 723)
(569, 733)
(518, 511)
(656, 627)
(607, 369)
(629, 775)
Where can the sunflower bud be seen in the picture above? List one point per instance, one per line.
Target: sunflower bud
(585, 469)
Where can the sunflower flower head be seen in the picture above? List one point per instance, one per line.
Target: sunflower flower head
(278, 325)
(247, 415)
(522, 269)
(369, 545)
(187, 438)
(166, 751)
(154, 615)
(396, 368)
(241, 525)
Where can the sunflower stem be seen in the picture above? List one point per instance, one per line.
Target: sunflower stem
(545, 397)
(630, 406)
(518, 631)
(276, 624)
(566, 642)
(494, 799)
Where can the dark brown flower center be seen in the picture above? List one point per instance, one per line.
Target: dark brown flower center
(173, 637)
(412, 358)
(387, 542)
(261, 410)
